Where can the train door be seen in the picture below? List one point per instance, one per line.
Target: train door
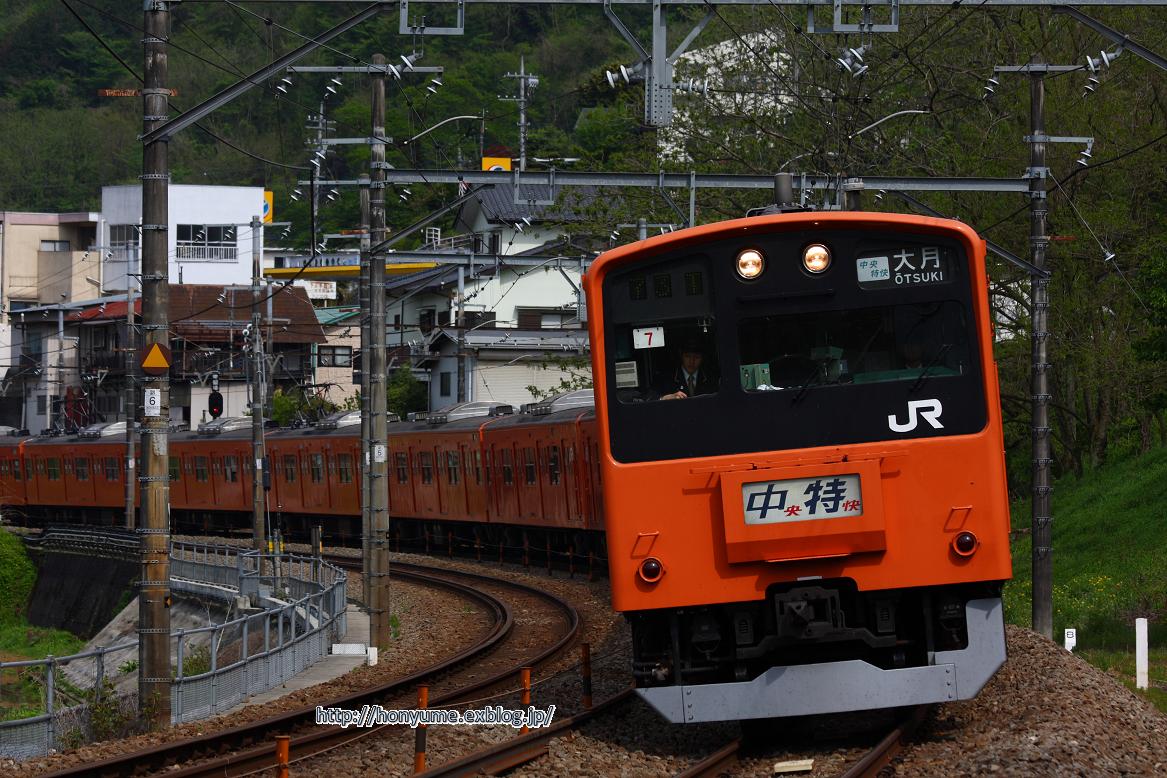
(400, 481)
(312, 469)
(530, 497)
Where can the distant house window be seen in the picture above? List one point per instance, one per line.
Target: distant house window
(444, 381)
(426, 318)
(54, 245)
(397, 321)
(546, 318)
(124, 236)
(206, 243)
(334, 356)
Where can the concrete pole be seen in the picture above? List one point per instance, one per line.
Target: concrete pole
(379, 433)
(154, 588)
(257, 389)
(1038, 241)
(363, 299)
(460, 323)
(131, 397)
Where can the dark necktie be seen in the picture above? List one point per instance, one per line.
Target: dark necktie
(692, 384)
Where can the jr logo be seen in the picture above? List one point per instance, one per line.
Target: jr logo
(929, 411)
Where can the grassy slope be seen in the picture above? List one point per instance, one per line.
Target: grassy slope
(17, 637)
(1110, 564)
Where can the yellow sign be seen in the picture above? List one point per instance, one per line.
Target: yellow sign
(268, 200)
(157, 359)
(496, 163)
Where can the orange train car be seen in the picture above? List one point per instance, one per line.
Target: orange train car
(802, 463)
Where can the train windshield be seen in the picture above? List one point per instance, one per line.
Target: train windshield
(909, 342)
(790, 358)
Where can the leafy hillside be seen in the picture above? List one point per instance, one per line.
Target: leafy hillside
(1110, 554)
(777, 100)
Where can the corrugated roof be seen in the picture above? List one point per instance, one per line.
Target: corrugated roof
(499, 206)
(337, 314)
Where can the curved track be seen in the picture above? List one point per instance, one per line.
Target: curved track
(249, 748)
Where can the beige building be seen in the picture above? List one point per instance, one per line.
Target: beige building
(45, 258)
(334, 357)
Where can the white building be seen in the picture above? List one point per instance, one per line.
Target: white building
(209, 238)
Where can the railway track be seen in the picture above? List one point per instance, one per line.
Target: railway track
(249, 748)
(724, 760)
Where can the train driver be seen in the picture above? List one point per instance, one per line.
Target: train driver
(690, 378)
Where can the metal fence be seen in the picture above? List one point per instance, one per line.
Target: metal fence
(291, 609)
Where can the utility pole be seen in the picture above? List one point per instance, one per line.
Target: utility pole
(1042, 531)
(366, 462)
(461, 325)
(527, 81)
(1041, 515)
(154, 587)
(131, 394)
(257, 388)
(379, 437)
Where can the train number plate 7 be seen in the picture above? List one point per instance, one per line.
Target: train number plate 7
(802, 499)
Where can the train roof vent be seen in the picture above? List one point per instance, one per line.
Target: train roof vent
(580, 398)
(229, 424)
(340, 419)
(471, 410)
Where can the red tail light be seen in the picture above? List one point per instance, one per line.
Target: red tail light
(651, 570)
(965, 544)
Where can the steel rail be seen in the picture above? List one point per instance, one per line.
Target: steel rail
(716, 763)
(261, 757)
(887, 749)
(519, 750)
(163, 756)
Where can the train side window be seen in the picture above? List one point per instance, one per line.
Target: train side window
(344, 463)
(477, 467)
(200, 464)
(452, 467)
(230, 469)
(3, 467)
(81, 465)
(529, 465)
(426, 462)
(16, 469)
(553, 464)
(402, 460)
(110, 465)
(40, 466)
(175, 469)
(290, 468)
(317, 461)
(508, 467)
(53, 468)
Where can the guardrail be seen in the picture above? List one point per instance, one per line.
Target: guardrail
(295, 608)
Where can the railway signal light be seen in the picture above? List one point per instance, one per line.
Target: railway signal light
(215, 405)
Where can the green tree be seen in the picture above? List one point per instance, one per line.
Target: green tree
(404, 394)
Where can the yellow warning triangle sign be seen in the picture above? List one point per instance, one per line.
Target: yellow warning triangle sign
(157, 358)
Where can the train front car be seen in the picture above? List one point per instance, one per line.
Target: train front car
(803, 466)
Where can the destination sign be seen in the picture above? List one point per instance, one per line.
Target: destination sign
(918, 266)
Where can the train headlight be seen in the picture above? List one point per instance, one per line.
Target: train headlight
(816, 258)
(651, 570)
(750, 263)
(965, 544)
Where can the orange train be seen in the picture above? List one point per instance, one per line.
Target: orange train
(478, 470)
(802, 457)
